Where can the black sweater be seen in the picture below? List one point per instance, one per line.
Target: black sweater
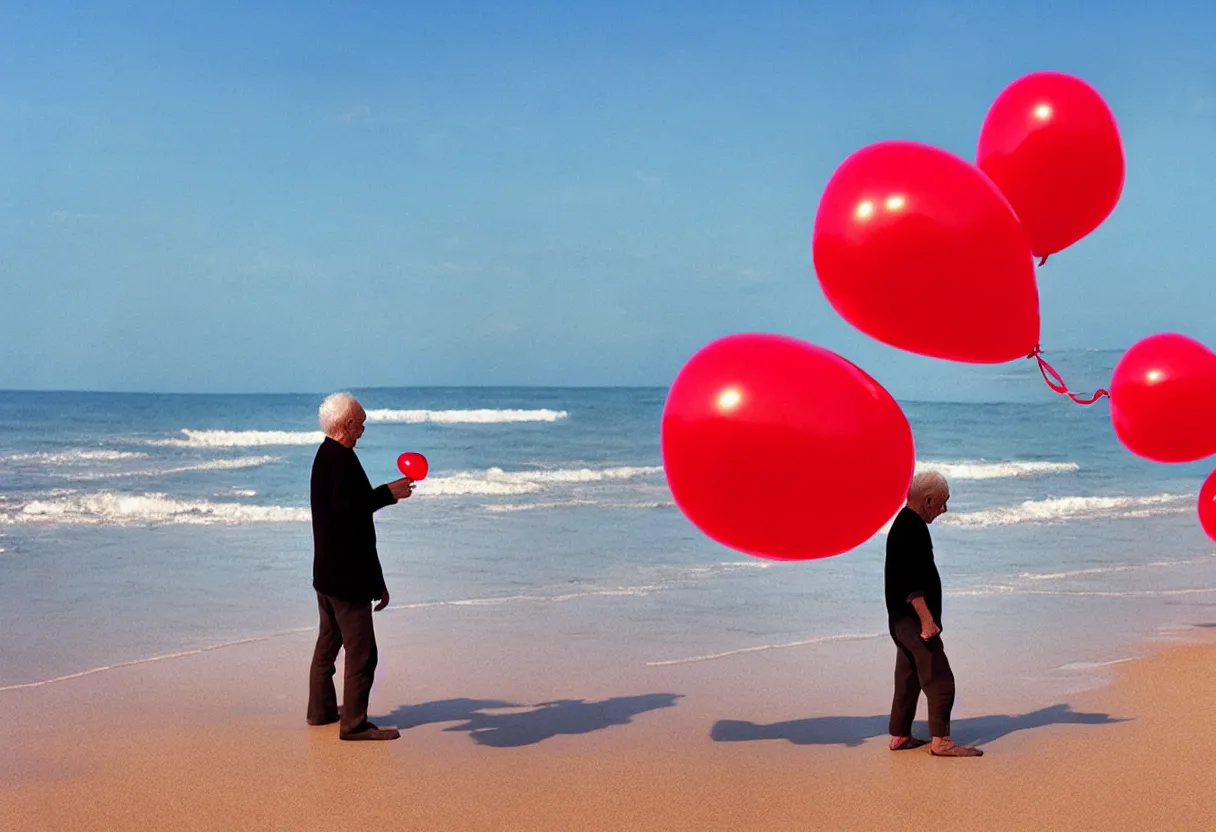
(345, 564)
(910, 570)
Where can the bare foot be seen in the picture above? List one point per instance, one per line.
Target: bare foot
(946, 747)
(903, 743)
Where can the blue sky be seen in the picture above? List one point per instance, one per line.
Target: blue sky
(200, 196)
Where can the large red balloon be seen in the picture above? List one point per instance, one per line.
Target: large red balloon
(1163, 399)
(1207, 506)
(782, 449)
(413, 465)
(1051, 144)
(917, 248)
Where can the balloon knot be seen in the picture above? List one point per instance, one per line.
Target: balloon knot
(1044, 260)
(1057, 384)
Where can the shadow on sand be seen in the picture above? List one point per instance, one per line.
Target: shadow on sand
(527, 727)
(852, 731)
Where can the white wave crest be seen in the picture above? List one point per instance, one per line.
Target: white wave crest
(1097, 665)
(240, 438)
(112, 508)
(74, 457)
(465, 417)
(990, 590)
(237, 464)
(500, 600)
(150, 659)
(760, 648)
(980, 470)
(507, 508)
(1061, 509)
(1110, 570)
(655, 580)
(497, 482)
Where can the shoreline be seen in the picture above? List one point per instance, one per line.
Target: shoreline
(635, 653)
(500, 740)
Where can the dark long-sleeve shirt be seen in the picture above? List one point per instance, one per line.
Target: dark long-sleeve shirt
(345, 563)
(910, 571)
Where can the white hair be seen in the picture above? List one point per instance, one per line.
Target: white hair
(335, 410)
(927, 484)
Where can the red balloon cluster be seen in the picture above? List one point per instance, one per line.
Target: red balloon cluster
(929, 253)
(932, 254)
(826, 453)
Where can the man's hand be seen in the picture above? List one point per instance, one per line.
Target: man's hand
(383, 601)
(402, 488)
(928, 627)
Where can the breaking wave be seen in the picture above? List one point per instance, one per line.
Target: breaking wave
(465, 417)
(497, 482)
(238, 464)
(1061, 509)
(74, 457)
(980, 470)
(113, 508)
(240, 438)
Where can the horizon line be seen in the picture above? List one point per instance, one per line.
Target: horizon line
(436, 387)
(119, 392)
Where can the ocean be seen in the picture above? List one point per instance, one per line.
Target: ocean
(135, 527)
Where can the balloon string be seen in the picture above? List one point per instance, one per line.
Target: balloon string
(1056, 383)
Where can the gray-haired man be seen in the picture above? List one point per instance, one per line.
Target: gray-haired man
(914, 617)
(346, 571)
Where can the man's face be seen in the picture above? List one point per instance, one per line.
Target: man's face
(936, 506)
(352, 428)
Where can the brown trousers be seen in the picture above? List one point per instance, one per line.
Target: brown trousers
(348, 625)
(920, 665)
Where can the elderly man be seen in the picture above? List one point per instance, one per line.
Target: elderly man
(914, 617)
(346, 571)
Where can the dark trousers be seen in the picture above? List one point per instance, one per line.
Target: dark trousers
(920, 665)
(348, 625)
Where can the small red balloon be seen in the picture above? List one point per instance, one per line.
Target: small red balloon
(1051, 144)
(1163, 399)
(917, 248)
(412, 465)
(782, 449)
